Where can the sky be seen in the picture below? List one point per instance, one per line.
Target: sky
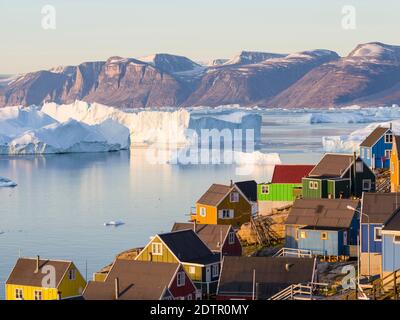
(89, 30)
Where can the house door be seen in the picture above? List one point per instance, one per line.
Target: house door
(208, 274)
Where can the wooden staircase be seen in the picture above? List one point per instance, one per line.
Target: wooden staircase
(262, 228)
(300, 291)
(386, 288)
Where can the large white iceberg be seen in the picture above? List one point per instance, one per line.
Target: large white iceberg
(30, 131)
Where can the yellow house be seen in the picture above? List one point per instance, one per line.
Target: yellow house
(395, 165)
(38, 279)
(222, 204)
(186, 248)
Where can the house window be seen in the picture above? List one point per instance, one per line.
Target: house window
(215, 270)
(303, 235)
(156, 249)
(396, 239)
(388, 138)
(368, 153)
(202, 211)
(359, 166)
(265, 189)
(377, 234)
(180, 279)
(366, 185)
(313, 185)
(234, 197)
(38, 295)
(345, 238)
(388, 153)
(231, 238)
(226, 214)
(19, 294)
(324, 235)
(189, 297)
(192, 270)
(72, 274)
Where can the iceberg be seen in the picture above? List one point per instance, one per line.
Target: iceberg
(351, 142)
(4, 182)
(113, 223)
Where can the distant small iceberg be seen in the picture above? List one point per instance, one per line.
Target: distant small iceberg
(7, 183)
(114, 223)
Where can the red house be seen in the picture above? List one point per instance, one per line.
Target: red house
(142, 280)
(218, 238)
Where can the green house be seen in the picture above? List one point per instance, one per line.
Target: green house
(284, 188)
(338, 176)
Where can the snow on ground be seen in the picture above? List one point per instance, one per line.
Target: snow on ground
(4, 182)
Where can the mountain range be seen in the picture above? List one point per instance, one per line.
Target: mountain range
(368, 75)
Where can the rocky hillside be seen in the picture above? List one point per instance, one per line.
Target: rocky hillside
(369, 75)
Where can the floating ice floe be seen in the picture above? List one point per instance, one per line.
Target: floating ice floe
(351, 142)
(116, 223)
(4, 182)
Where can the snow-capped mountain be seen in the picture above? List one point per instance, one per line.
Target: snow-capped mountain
(369, 75)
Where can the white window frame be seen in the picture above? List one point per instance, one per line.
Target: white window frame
(203, 211)
(234, 197)
(156, 248)
(226, 214)
(231, 237)
(376, 233)
(265, 189)
(19, 294)
(72, 274)
(192, 270)
(180, 279)
(303, 234)
(38, 293)
(189, 296)
(369, 183)
(388, 137)
(215, 270)
(396, 241)
(313, 185)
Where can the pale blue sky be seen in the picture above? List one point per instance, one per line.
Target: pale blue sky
(90, 30)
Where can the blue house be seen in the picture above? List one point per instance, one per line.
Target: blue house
(391, 244)
(377, 209)
(323, 227)
(376, 149)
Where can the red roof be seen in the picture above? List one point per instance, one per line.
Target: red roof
(290, 173)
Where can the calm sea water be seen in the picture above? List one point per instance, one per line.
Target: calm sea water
(61, 202)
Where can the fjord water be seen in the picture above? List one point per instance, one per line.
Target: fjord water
(61, 201)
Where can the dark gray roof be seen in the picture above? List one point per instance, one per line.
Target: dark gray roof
(330, 213)
(188, 247)
(273, 274)
(138, 280)
(379, 206)
(210, 234)
(215, 194)
(393, 223)
(248, 188)
(374, 137)
(24, 273)
(332, 165)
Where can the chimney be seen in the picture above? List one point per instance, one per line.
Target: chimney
(37, 264)
(231, 183)
(391, 126)
(116, 288)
